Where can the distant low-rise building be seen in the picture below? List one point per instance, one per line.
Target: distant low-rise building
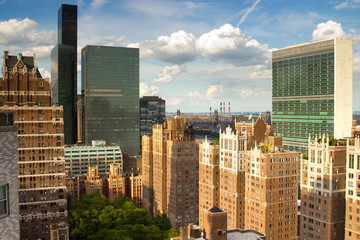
(78, 157)
(112, 185)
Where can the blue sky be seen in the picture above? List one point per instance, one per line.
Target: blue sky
(195, 54)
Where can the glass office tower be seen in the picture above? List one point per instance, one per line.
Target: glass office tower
(64, 69)
(110, 88)
(312, 87)
(62, 75)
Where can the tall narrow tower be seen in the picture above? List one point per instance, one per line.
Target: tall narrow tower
(64, 69)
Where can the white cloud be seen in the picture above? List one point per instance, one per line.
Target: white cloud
(113, 41)
(98, 3)
(44, 73)
(215, 91)
(40, 52)
(178, 48)
(195, 98)
(260, 74)
(24, 32)
(22, 36)
(328, 30)
(173, 101)
(231, 45)
(146, 90)
(347, 4)
(168, 72)
(332, 29)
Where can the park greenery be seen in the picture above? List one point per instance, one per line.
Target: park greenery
(94, 218)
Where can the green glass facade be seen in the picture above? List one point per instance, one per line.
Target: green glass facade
(303, 96)
(110, 89)
(62, 86)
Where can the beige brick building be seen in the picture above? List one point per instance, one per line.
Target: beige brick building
(172, 161)
(41, 168)
(352, 220)
(209, 177)
(9, 195)
(233, 147)
(271, 193)
(323, 178)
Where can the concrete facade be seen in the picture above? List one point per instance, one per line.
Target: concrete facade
(9, 195)
(78, 157)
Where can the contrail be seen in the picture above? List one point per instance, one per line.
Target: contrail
(247, 12)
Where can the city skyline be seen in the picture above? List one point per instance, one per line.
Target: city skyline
(191, 59)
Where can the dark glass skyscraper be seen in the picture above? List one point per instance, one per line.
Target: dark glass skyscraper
(64, 69)
(62, 74)
(110, 88)
(67, 25)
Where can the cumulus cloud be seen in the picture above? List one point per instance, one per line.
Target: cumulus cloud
(168, 72)
(178, 48)
(229, 44)
(20, 32)
(146, 90)
(23, 36)
(327, 30)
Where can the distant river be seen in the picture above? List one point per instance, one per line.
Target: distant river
(202, 138)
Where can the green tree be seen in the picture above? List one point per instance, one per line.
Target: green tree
(162, 222)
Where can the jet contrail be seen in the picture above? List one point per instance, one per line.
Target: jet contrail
(247, 12)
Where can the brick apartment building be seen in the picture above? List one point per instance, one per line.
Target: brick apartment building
(323, 178)
(113, 184)
(271, 192)
(352, 220)
(42, 186)
(209, 176)
(170, 170)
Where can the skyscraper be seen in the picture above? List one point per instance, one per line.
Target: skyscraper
(110, 88)
(67, 25)
(64, 69)
(40, 139)
(63, 75)
(312, 91)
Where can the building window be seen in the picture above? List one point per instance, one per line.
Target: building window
(4, 200)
